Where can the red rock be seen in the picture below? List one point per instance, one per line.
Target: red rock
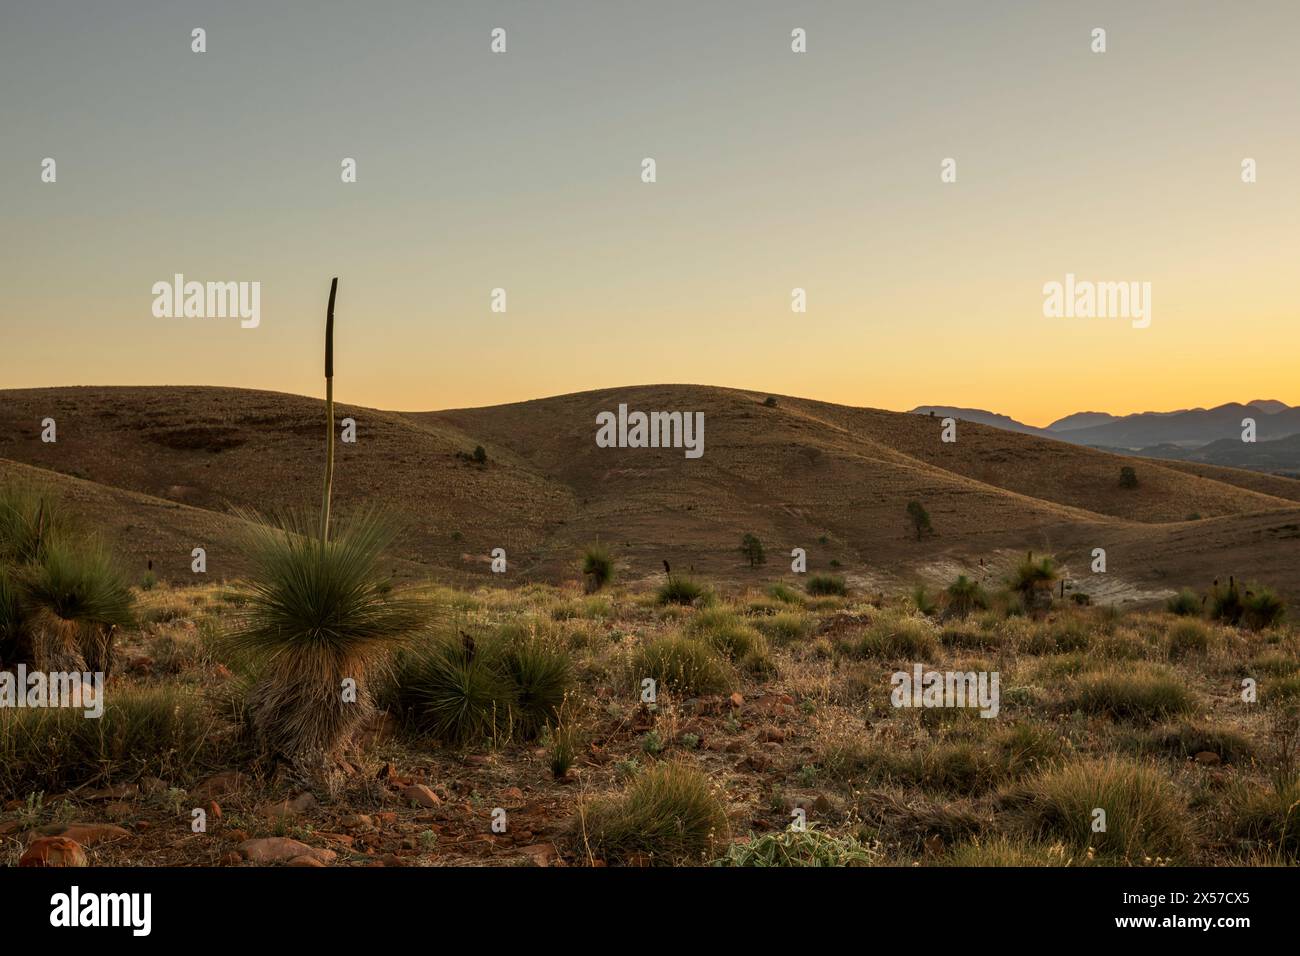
(388, 817)
(305, 861)
(1207, 758)
(87, 834)
(281, 849)
(239, 836)
(512, 793)
(736, 699)
(54, 851)
(420, 794)
(222, 671)
(287, 809)
(214, 810)
(340, 838)
(231, 859)
(542, 854)
(215, 786)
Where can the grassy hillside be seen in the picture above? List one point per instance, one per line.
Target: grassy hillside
(831, 479)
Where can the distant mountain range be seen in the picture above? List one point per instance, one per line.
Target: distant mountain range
(1210, 435)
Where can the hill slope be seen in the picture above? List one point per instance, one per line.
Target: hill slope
(831, 479)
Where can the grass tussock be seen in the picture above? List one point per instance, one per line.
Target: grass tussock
(669, 814)
(144, 731)
(685, 665)
(1131, 694)
(1145, 816)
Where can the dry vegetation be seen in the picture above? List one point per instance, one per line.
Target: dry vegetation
(769, 701)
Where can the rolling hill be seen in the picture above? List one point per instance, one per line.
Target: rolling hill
(158, 469)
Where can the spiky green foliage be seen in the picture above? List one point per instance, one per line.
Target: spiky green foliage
(540, 673)
(317, 613)
(597, 567)
(77, 598)
(451, 690)
(28, 518)
(1225, 602)
(669, 814)
(965, 596)
(680, 590)
(1031, 575)
(1261, 608)
(1146, 817)
(810, 847)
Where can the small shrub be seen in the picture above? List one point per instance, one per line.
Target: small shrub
(669, 814)
(810, 847)
(752, 548)
(1225, 602)
(155, 731)
(1145, 815)
(1128, 477)
(597, 567)
(965, 596)
(895, 638)
(1185, 603)
(1261, 608)
(784, 594)
(919, 518)
(1271, 817)
(1188, 638)
(452, 692)
(540, 674)
(680, 590)
(783, 628)
(1131, 695)
(685, 665)
(826, 585)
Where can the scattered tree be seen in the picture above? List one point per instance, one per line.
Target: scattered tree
(920, 519)
(752, 549)
(1128, 477)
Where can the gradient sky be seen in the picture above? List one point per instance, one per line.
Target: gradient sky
(775, 170)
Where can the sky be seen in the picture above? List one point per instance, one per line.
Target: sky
(775, 170)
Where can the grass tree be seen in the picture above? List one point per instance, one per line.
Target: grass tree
(319, 618)
(75, 600)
